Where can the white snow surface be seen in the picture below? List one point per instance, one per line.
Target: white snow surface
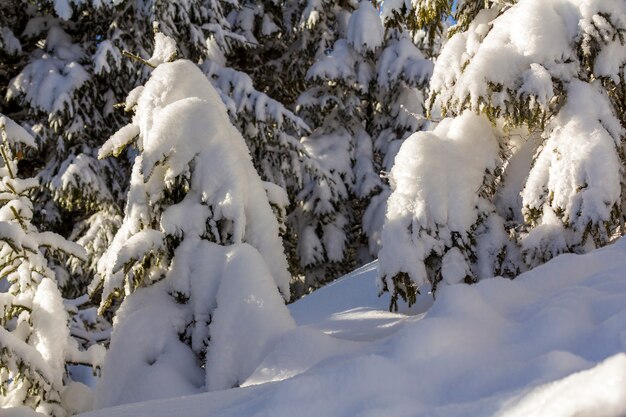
(365, 29)
(14, 133)
(550, 342)
(164, 49)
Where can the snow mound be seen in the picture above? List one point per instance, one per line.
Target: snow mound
(550, 342)
(365, 29)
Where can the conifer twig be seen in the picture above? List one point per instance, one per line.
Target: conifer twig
(137, 58)
(4, 155)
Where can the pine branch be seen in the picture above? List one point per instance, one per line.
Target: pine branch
(5, 158)
(137, 58)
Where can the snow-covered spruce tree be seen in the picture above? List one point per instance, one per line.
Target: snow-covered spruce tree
(271, 130)
(267, 28)
(327, 212)
(90, 39)
(35, 340)
(198, 261)
(306, 29)
(550, 76)
(67, 77)
(441, 225)
(362, 99)
(60, 101)
(237, 40)
(397, 100)
(570, 201)
(52, 89)
(219, 36)
(426, 20)
(10, 46)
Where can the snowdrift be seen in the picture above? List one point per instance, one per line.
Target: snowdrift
(550, 343)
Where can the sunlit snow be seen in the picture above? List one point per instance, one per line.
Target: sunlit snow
(550, 342)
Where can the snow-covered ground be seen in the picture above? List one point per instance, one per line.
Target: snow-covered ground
(550, 343)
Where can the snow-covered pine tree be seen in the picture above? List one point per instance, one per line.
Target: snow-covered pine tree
(237, 40)
(363, 98)
(274, 60)
(426, 20)
(397, 96)
(35, 340)
(90, 39)
(328, 213)
(307, 29)
(553, 90)
(60, 101)
(52, 89)
(272, 135)
(10, 46)
(67, 77)
(198, 260)
(441, 225)
(267, 28)
(568, 205)
(112, 29)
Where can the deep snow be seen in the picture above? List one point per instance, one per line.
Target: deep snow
(551, 342)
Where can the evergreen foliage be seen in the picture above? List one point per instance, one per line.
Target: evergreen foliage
(551, 90)
(198, 239)
(35, 340)
(365, 98)
(274, 146)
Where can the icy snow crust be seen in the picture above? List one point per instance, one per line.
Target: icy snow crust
(550, 342)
